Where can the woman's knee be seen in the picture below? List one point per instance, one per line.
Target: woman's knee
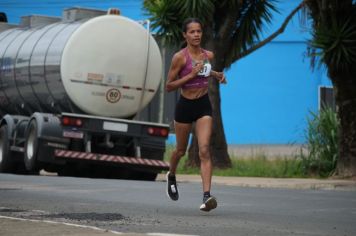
(204, 152)
(179, 153)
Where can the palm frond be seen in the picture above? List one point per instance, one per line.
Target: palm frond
(229, 4)
(167, 16)
(203, 9)
(254, 15)
(162, 13)
(336, 41)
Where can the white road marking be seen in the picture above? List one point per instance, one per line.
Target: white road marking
(39, 211)
(163, 234)
(87, 227)
(63, 223)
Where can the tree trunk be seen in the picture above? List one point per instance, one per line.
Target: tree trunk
(218, 146)
(345, 94)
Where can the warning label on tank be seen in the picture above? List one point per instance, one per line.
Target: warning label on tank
(128, 97)
(98, 93)
(113, 95)
(95, 78)
(112, 79)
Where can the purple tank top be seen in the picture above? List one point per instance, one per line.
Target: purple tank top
(198, 81)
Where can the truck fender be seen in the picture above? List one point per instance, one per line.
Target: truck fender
(48, 125)
(42, 129)
(15, 125)
(11, 128)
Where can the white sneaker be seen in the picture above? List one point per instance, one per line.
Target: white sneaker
(209, 203)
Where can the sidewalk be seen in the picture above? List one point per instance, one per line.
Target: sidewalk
(256, 182)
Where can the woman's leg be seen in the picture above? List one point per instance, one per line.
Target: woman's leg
(203, 129)
(182, 131)
(203, 132)
(182, 136)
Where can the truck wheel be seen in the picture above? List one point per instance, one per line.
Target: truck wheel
(31, 148)
(6, 165)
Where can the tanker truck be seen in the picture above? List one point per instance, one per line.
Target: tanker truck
(70, 88)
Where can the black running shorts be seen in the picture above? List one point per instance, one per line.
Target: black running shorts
(190, 110)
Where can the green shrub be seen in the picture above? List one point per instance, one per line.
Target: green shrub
(322, 138)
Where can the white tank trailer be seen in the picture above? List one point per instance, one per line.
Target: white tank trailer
(69, 88)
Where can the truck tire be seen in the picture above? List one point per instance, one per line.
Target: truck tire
(6, 165)
(31, 147)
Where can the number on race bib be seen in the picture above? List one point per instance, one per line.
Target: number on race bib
(205, 71)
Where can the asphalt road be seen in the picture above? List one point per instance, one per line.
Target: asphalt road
(143, 207)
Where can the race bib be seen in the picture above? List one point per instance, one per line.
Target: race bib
(205, 71)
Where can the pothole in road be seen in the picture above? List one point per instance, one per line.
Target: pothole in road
(90, 216)
(86, 218)
(9, 210)
(9, 189)
(38, 214)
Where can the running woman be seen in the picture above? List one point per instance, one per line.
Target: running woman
(190, 71)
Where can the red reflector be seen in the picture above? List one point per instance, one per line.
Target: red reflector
(151, 131)
(78, 122)
(71, 121)
(65, 120)
(163, 132)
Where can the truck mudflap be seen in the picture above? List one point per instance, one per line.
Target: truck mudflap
(142, 162)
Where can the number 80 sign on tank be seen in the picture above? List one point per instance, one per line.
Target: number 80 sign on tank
(113, 95)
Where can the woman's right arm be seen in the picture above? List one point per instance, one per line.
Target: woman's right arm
(178, 62)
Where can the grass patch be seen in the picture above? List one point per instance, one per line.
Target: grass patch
(257, 166)
(261, 166)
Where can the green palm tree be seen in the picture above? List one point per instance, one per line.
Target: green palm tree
(334, 45)
(231, 30)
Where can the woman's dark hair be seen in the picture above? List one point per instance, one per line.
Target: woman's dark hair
(188, 21)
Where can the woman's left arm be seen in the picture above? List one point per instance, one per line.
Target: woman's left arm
(220, 76)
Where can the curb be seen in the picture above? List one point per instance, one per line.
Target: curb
(259, 182)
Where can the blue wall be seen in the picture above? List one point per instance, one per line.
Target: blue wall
(269, 93)
(268, 96)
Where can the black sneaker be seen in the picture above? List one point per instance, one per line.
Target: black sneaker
(209, 203)
(172, 190)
